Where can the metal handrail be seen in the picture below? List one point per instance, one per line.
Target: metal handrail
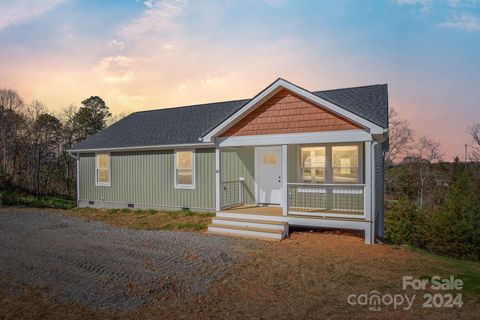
(327, 184)
(333, 198)
(232, 197)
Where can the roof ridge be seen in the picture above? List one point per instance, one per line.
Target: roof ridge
(349, 88)
(190, 105)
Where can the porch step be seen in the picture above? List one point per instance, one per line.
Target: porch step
(268, 230)
(250, 223)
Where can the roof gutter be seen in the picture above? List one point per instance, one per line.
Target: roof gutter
(142, 148)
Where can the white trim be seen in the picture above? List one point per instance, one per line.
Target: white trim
(277, 86)
(78, 178)
(255, 180)
(368, 180)
(218, 179)
(284, 179)
(109, 168)
(77, 164)
(139, 148)
(329, 160)
(340, 136)
(184, 186)
(257, 189)
(328, 215)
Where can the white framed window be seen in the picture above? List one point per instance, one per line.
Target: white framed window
(184, 169)
(312, 164)
(329, 163)
(345, 160)
(102, 169)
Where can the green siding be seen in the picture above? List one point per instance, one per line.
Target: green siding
(146, 178)
(237, 163)
(292, 159)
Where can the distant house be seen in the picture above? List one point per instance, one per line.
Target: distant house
(287, 156)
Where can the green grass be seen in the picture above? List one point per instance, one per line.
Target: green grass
(468, 271)
(26, 200)
(186, 226)
(147, 219)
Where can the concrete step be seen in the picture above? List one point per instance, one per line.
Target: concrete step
(251, 216)
(250, 223)
(255, 232)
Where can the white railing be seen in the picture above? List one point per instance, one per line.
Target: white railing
(346, 200)
(232, 193)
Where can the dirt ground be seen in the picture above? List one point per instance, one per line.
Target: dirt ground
(307, 276)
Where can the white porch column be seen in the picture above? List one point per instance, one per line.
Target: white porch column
(367, 200)
(78, 179)
(285, 179)
(218, 180)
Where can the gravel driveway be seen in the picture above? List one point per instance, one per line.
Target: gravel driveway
(105, 267)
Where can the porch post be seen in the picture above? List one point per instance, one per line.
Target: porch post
(218, 204)
(367, 200)
(285, 179)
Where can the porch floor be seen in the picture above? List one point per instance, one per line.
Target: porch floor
(277, 210)
(255, 209)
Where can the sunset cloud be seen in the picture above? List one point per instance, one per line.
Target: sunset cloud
(15, 12)
(464, 21)
(159, 16)
(140, 55)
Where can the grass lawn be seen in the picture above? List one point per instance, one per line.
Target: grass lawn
(146, 219)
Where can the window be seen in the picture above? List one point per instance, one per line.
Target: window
(330, 164)
(185, 169)
(270, 158)
(345, 164)
(102, 169)
(313, 164)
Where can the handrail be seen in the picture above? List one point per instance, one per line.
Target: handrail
(232, 193)
(326, 184)
(334, 199)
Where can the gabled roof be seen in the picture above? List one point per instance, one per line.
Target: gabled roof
(188, 124)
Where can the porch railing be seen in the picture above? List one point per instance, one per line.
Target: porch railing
(334, 199)
(232, 193)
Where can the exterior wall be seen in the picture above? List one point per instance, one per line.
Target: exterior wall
(292, 158)
(237, 163)
(286, 112)
(147, 179)
(379, 192)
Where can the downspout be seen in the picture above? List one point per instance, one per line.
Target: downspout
(77, 159)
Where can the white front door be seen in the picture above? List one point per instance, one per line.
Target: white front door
(269, 174)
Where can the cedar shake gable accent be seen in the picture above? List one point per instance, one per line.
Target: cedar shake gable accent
(287, 112)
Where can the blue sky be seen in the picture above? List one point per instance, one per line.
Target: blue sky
(149, 54)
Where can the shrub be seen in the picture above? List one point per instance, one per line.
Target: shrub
(25, 200)
(453, 229)
(400, 222)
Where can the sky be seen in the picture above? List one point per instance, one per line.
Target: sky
(140, 55)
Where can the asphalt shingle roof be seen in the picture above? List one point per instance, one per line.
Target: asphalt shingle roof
(185, 125)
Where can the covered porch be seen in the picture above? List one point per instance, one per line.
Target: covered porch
(324, 184)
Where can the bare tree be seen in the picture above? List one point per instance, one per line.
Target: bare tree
(10, 120)
(428, 151)
(115, 118)
(474, 131)
(66, 116)
(400, 137)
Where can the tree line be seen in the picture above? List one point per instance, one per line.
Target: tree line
(34, 142)
(432, 204)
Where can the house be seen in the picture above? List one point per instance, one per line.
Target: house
(288, 156)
